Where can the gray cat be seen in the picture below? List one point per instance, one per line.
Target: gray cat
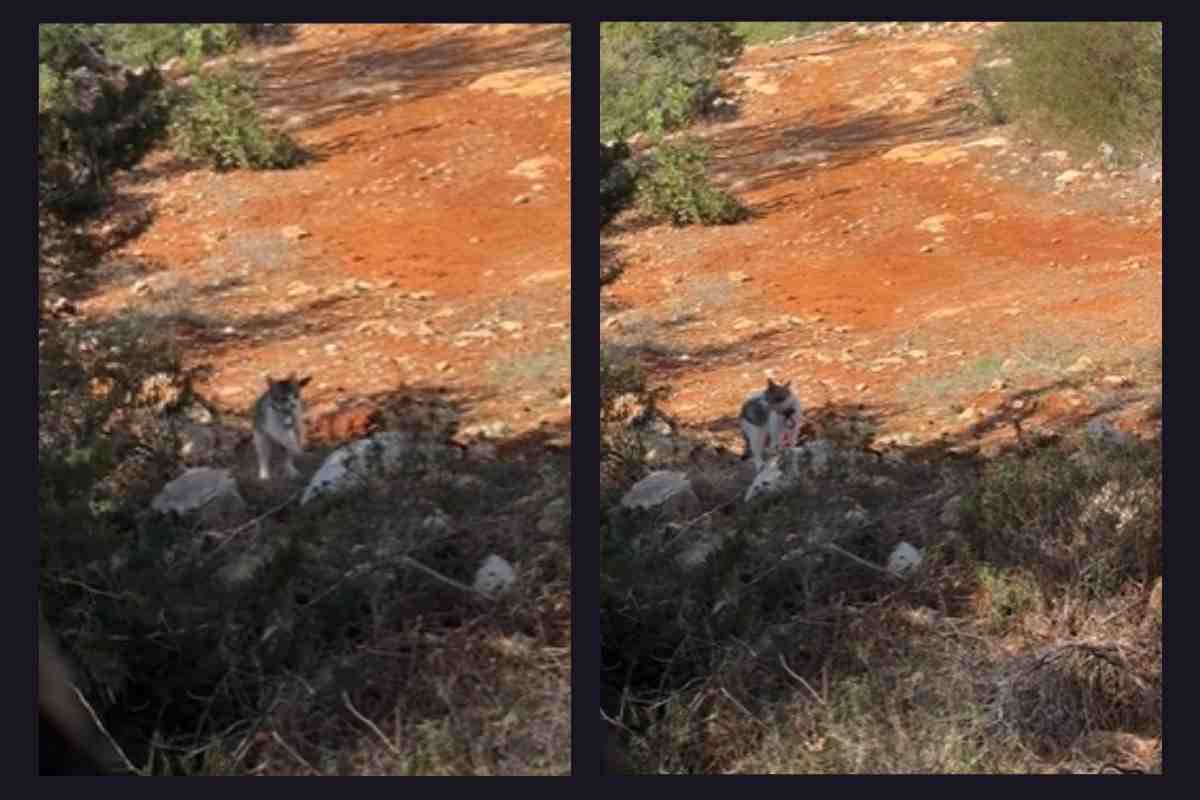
(769, 420)
(279, 423)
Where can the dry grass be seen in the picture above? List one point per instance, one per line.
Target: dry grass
(1029, 641)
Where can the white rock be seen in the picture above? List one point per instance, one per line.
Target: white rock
(494, 575)
(1068, 177)
(346, 467)
(936, 224)
(697, 552)
(669, 490)
(437, 522)
(904, 559)
(212, 492)
(790, 466)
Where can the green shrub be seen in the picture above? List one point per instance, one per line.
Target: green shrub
(152, 44)
(675, 188)
(217, 122)
(656, 76)
(1090, 82)
(94, 117)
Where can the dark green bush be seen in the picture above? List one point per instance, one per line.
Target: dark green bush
(152, 44)
(94, 117)
(656, 76)
(617, 180)
(216, 121)
(675, 188)
(1085, 518)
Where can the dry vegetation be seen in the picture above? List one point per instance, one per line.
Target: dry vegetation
(1029, 640)
(342, 637)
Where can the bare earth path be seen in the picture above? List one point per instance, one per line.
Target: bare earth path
(902, 259)
(425, 248)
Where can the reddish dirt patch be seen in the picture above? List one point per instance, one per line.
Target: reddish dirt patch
(901, 258)
(424, 249)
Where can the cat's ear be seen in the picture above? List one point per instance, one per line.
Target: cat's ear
(303, 381)
(787, 385)
(770, 383)
(270, 381)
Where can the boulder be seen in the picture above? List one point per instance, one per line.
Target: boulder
(348, 466)
(670, 491)
(212, 493)
(810, 459)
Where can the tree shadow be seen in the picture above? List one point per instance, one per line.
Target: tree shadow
(378, 76)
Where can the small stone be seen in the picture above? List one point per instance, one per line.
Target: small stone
(1068, 177)
(904, 559)
(494, 576)
(521, 199)
(1082, 364)
(927, 248)
(738, 277)
(1118, 381)
(294, 233)
(442, 366)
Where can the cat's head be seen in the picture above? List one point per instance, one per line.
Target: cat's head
(778, 392)
(284, 394)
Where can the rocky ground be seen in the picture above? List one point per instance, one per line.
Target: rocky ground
(422, 254)
(906, 264)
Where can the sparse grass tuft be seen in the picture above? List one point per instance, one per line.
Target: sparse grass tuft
(765, 32)
(1087, 82)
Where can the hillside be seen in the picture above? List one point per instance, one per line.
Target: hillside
(414, 617)
(957, 567)
(903, 257)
